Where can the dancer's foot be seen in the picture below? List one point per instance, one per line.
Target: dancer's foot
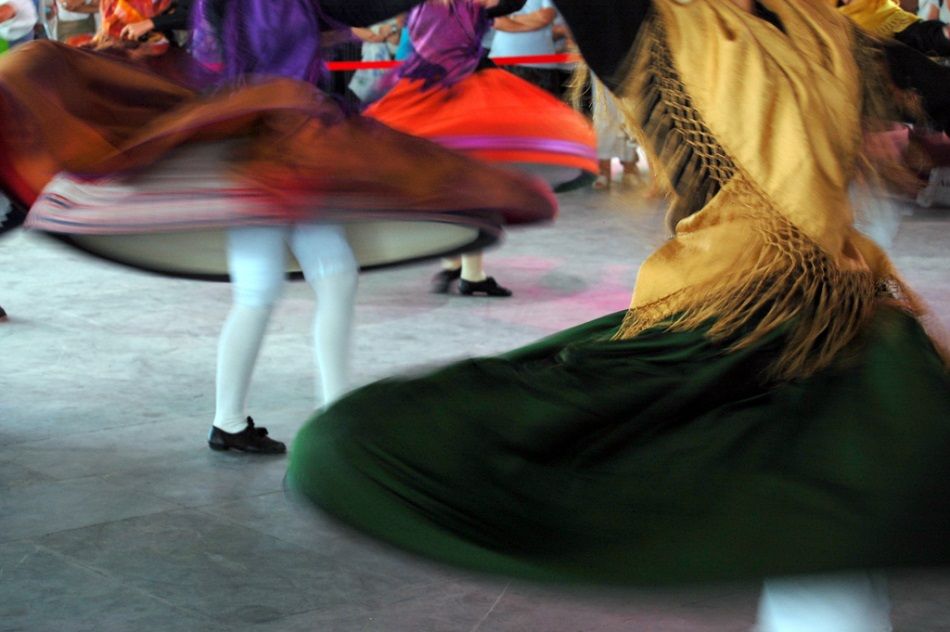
(3, 315)
(251, 439)
(443, 279)
(488, 287)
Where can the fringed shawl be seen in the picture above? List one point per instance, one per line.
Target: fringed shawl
(755, 132)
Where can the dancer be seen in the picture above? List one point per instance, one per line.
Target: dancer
(769, 405)
(450, 92)
(160, 176)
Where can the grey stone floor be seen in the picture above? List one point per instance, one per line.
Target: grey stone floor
(114, 516)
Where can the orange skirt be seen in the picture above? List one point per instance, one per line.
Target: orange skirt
(494, 116)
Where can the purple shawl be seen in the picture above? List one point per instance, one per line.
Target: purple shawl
(236, 38)
(447, 41)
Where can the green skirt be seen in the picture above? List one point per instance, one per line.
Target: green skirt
(658, 460)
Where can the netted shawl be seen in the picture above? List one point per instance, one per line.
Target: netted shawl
(755, 132)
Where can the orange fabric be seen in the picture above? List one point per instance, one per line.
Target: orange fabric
(490, 102)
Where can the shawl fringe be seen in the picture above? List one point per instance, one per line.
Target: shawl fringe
(792, 283)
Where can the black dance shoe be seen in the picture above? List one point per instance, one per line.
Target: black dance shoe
(251, 439)
(488, 287)
(3, 314)
(443, 279)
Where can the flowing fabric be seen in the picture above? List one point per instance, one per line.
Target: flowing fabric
(660, 459)
(118, 150)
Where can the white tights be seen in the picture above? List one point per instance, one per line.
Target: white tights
(472, 266)
(257, 261)
(831, 603)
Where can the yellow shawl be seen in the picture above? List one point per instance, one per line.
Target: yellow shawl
(759, 129)
(882, 18)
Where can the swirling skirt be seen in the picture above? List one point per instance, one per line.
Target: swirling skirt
(140, 168)
(497, 117)
(656, 460)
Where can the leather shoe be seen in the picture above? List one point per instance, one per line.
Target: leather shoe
(443, 279)
(488, 287)
(251, 439)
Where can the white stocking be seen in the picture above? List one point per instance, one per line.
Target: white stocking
(473, 267)
(238, 346)
(256, 262)
(834, 603)
(331, 270)
(332, 332)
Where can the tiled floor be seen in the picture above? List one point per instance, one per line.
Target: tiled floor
(114, 516)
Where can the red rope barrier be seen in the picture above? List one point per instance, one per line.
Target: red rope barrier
(340, 66)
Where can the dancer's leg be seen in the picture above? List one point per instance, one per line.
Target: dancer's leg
(834, 603)
(475, 281)
(473, 267)
(331, 270)
(257, 262)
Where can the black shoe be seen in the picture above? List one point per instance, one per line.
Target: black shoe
(488, 287)
(443, 279)
(251, 439)
(3, 314)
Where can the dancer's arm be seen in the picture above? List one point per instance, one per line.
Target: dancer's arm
(365, 12)
(369, 12)
(527, 22)
(605, 31)
(174, 20)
